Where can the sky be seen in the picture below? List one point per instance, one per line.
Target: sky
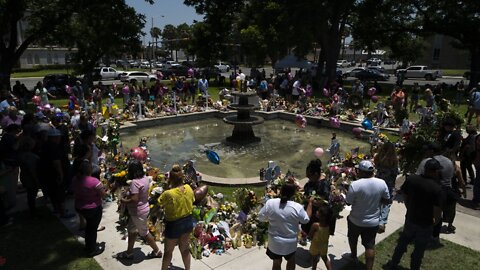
(164, 12)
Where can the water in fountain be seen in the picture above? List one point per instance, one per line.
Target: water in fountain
(282, 142)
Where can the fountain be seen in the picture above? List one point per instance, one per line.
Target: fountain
(242, 133)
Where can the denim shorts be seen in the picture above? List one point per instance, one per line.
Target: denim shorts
(175, 229)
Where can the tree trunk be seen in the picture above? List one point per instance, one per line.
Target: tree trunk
(5, 73)
(474, 66)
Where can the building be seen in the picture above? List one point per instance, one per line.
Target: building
(441, 54)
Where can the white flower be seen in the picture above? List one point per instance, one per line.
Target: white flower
(314, 192)
(254, 226)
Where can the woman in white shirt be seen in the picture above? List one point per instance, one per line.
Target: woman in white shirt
(284, 216)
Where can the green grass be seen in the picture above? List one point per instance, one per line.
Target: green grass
(228, 191)
(40, 73)
(42, 243)
(449, 256)
(454, 72)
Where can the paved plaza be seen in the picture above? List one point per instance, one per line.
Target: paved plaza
(467, 234)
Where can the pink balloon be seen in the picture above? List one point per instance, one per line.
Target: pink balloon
(326, 92)
(334, 122)
(36, 100)
(357, 132)
(318, 152)
(374, 99)
(138, 153)
(68, 89)
(372, 91)
(190, 72)
(300, 121)
(333, 169)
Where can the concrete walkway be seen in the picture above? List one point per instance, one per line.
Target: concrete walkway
(468, 234)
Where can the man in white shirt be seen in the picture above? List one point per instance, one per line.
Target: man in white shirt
(365, 195)
(284, 216)
(203, 85)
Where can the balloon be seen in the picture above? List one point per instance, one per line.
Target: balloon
(68, 89)
(326, 92)
(374, 99)
(213, 157)
(357, 132)
(242, 76)
(335, 98)
(238, 78)
(190, 72)
(367, 124)
(300, 121)
(36, 100)
(371, 91)
(138, 153)
(333, 169)
(334, 122)
(47, 107)
(200, 193)
(318, 152)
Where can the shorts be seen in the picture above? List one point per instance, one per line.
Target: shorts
(175, 229)
(139, 224)
(274, 256)
(368, 234)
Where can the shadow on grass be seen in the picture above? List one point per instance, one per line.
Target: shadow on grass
(41, 243)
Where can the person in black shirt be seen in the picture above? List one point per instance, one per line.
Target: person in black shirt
(423, 198)
(316, 186)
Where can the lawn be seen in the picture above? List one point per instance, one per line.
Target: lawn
(42, 243)
(453, 72)
(40, 73)
(449, 256)
(228, 191)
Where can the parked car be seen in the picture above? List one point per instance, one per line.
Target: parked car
(378, 68)
(222, 66)
(372, 75)
(373, 61)
(105, 73)
(420, 72)
(137, 76)
(169, 64)
(145, 64)
(134, 63)
(389, 62)
(179, 71)
(352, 72)
(55, 83)
(342, 63)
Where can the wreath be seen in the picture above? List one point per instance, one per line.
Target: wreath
(355, 102)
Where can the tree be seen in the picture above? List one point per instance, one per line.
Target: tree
(458, 19)
(45, 21)
(155, 33)
(169, 34)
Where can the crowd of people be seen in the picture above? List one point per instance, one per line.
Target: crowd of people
(36, 148)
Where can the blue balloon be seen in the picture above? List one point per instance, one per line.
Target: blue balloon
(212, 156)
(367, 124)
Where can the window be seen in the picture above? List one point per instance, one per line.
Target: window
(37, 59)
(436, 54)
(49, 58)
(414, 68)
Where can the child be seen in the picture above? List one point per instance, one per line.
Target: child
(319, 233)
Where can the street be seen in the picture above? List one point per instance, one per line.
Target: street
(31, 82)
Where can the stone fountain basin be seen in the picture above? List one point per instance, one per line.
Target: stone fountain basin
(252, 120)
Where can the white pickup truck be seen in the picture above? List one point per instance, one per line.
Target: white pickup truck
(420, 72)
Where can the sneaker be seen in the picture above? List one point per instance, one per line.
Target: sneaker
(348, 256)
(451, 229)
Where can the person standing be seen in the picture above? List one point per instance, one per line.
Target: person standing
(365, 195)
(43, 93)
(138, 209)
(203, 85)
(460, 93)
(474, 106)
(414, 97)
(386, 161)
(284, 216)
(423, 200)
(476, 184)
(177, 203)
(89, 192)
(467, 154)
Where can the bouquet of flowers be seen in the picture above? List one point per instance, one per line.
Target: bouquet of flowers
(246, 199)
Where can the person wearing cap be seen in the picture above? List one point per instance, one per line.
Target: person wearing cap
(445, 180)
(423, 199)
(365, 196)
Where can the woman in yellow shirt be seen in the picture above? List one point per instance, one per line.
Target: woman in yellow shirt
(177, 203)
